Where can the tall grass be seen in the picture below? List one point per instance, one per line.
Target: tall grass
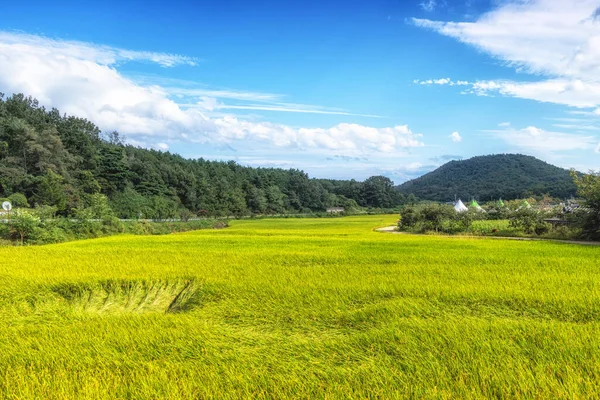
(308, 308)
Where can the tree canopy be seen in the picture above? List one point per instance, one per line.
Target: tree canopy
(506, 176)
(60, 161)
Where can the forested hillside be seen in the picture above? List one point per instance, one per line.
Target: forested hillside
(507, 176)
(49, 159)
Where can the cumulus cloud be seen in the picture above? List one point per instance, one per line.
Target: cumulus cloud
(83, 80)
(455, 136)
(540, 140)
(344, 137)
(554, 38)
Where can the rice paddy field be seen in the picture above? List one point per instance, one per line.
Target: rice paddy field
(300, 308)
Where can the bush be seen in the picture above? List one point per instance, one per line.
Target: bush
(409, 216)
(531, 221)
(588, 187)
(138, 228)
(23, 225)
(47, 234)
(431, 217)
(45, 212)
(185, 215)
(18, 200)
(112, 225)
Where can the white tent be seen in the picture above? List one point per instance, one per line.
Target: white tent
(460, 207)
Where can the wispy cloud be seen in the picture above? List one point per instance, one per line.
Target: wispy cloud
(428, 5)
(578, 127)
(192, 95)
(104, 55)
(550, 37)
(540, 140)
(214, 104)
(553, 38)
(444, 158)
(441, 81)
(222, 94)
(83, 79)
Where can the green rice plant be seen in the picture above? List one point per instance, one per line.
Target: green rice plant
(300, 308)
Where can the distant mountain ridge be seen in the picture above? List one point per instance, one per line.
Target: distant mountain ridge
(506, 176)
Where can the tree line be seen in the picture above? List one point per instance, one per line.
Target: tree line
(48, 159)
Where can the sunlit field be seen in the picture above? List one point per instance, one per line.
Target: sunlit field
(300, 308)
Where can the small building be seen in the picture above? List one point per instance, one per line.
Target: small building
(557, 222)
(335, 210)
(475, 206)
(460, 206)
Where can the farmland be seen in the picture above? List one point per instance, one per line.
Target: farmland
(300, 308)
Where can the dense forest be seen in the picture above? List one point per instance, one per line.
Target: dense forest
(506, 176)
(49, 159)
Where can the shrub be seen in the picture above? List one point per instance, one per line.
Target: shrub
(18, 200)
(45, 212)
(531, 221)
(431, 217)
(23, 225)
(185, 215)
(409, 216)
(588, 187)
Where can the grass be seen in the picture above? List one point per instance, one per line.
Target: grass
(308, 308)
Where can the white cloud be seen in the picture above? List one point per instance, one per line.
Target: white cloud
(579, 127)
(104, 55)
(597, 150)
(212, 104)
(536, 139)
(428, 5)
(555, 38)
(346, 138)
(504, 124)
(441, 81)
(455, 136)
(575, 93)
(83, 80)
(183, 89)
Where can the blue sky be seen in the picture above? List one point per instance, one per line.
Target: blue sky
(338, 89)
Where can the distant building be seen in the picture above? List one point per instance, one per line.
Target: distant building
(475, 206)
(460, 206)
(557, 222)
(335, 210)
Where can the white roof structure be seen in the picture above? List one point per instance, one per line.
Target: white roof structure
(460, 207)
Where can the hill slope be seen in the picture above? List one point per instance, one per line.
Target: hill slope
(506, 176)
(60, 161)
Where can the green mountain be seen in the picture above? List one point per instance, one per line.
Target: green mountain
(506, 176)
